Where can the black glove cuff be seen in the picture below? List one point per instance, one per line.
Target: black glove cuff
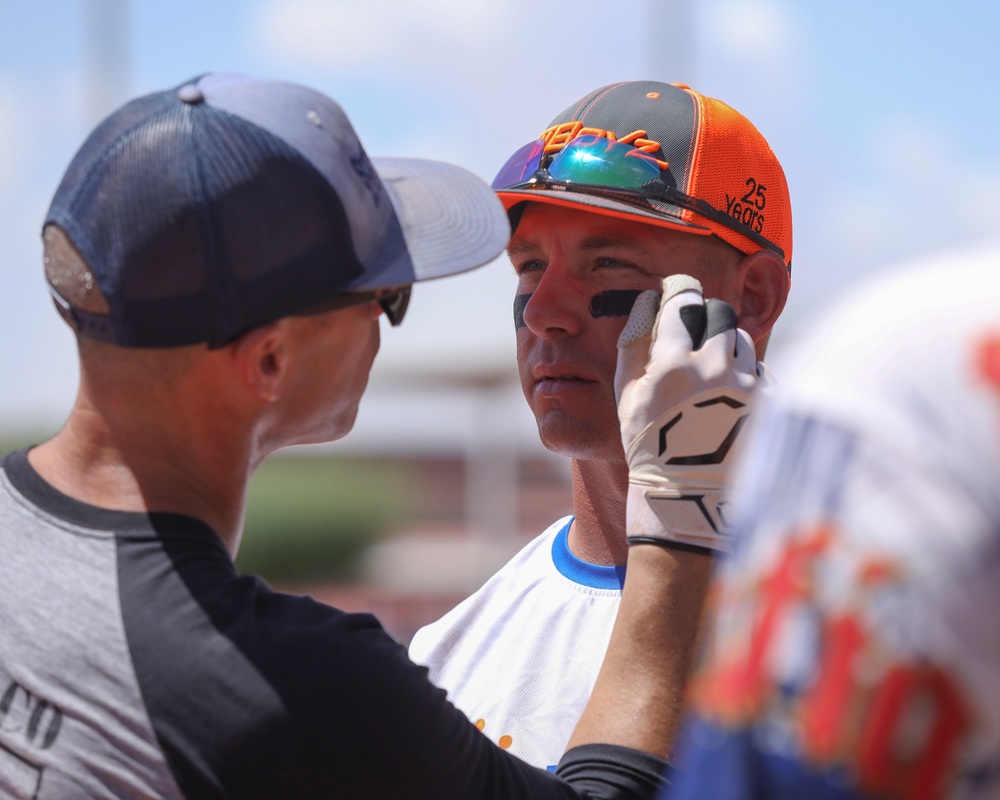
(690, 548)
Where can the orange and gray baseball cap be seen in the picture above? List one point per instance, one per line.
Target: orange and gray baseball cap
(230, 201)
(661, 154)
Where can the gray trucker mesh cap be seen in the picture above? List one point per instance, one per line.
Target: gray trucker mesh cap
(230, 201)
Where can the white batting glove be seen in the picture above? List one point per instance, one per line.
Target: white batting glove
(684, 378)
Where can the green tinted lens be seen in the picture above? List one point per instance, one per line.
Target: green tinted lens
(598, 161)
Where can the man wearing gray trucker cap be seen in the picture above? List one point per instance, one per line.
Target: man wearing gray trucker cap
(223, 251)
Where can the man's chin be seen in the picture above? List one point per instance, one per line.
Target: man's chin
(333, 429)
(580, 442)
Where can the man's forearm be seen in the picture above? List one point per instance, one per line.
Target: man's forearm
(638, 697)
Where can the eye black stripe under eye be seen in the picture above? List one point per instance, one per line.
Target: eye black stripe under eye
(520, 301)
(613, 303)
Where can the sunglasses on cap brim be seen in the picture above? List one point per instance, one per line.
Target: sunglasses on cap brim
(592, 163)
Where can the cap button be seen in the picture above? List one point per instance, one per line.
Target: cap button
(191, 94)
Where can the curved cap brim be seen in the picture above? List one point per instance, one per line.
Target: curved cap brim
(450, 219)
(600, 204)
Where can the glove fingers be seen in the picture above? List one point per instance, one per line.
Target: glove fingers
(720, 317)
(634, 341)
(765, 379)
(641, 319)
(734, 347)
(675, 316)
(746, 353)
(679, 326)
(647, 306)
(667, 330)
(675, 284)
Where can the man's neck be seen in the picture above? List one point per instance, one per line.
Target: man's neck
(598, 531)
(123, 470)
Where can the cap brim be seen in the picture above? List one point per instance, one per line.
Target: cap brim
(451, 221)
(600, 204)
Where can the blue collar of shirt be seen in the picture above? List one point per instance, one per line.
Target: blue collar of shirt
(596, 576)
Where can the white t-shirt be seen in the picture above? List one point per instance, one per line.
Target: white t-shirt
(520, 656)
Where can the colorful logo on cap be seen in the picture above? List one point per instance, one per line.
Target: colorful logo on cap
(558, 136)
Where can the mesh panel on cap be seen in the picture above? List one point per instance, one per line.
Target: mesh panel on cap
(199, 225)
(736, 171)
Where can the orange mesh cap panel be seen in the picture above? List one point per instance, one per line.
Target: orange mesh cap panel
(736, 171)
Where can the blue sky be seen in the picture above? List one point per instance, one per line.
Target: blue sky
(884, 115)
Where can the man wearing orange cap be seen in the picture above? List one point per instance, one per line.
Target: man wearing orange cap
(635, 182)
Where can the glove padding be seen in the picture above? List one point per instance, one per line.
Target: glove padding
(684, 378)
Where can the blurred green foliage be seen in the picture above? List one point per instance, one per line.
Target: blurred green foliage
(11, 440)
(310, 518)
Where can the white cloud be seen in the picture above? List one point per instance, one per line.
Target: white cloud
(374, 34)
(755, 29)
(466, 81)
(503, 52)
(758, 51)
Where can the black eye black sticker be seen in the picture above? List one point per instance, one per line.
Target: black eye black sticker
(613, 303)
(520, 301)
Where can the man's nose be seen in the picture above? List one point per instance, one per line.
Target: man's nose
(557, 306)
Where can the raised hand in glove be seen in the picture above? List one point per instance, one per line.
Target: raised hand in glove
(683, 383)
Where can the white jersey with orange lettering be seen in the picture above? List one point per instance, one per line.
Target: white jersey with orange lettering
(855, 650)
(522, 672)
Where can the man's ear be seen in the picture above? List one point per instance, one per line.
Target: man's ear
(261, 359)
(763, 281)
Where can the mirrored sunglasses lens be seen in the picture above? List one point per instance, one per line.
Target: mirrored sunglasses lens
(520, 166)
(598, 161)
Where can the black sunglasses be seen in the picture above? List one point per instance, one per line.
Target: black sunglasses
(393, 302)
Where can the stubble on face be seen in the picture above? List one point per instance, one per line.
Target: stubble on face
(567, 350)
(336, 354)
